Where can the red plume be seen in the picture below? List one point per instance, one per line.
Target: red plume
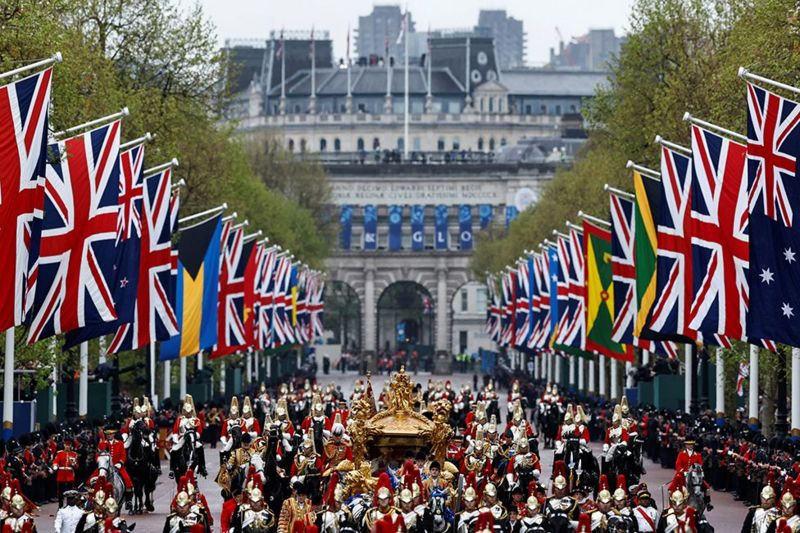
(584, 524)
(622, 483)
(691, 518)
(485, 521)
(559, 469)
(677, 483)
(603, 484)
(383, 481)
(330, 493)
(771, 478)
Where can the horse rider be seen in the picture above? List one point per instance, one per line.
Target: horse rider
(615, 435)
(249, 421)
(337, 444)
(788, 519)
(678, 517)
(113, 445)
(185, 422)
(523, 467)
(561, 502)
(186, 517)
(492, 504)
(532, 520)
(760, 517)
(232, 422)
(254, 515)
(566, 429)
(688, 456)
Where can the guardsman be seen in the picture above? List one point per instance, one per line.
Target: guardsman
(296, 509)
(186, 517)
(645, 514)
(337, 444)
(249, 421)
(760, 517)
(384, 510)
(532, 521)
(581, 425)
(624, 513)
(493, 506)
(188, 422)
(678, 517)
(788, 521)
(64, 465)
(566, 429)
(113, 523)
(92, 520)
(229, 427)
(466, 519)
(523, 467)
(19, 519)
(254, 516)
(615, 435)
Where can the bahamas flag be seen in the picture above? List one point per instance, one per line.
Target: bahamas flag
(197, 290)
(600, 295)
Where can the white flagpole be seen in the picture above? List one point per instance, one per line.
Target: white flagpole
(83, 381)
(164, 166)
(96, 122)
(152, 369)
(747, 75)
(405, 96)
(211, 211)
(8, 386)
(182, 385)
(55, 58)
(167, 380)
(147, 137)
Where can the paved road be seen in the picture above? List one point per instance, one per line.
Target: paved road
(727, 514)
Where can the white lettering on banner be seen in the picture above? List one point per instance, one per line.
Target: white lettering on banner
(417, 236)
(452, 193)
(440, 237)
(466, 235)
(369, 237)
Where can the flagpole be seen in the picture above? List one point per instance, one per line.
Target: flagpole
(795, 393)
(312, 106)
(283, 75)
(687, 383)
(660, 140)
(55, 58)
(618, 192)
(687, 117)
(8, 386)
(147, 137)
(83, 381)
(152, 369)
(207, 212)
(752, 410)
(720, 383)
(649, 172)
(747, 75)
(349, 102)
(182, 384)
(405, 96)
(596, 220)
(96, 122)
(167, 380)
(159, 168)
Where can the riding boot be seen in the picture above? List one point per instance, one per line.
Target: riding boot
(148, 502)
(129, 500)
(201, 461)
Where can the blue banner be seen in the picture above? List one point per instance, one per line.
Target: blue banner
(370, 227)
(485, 211)
(555, 274)
(395, 227)
(440, 225)
(345, 226)
(417, 227)
(465, 227)
(511, 214)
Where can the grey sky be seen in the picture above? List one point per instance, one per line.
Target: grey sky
(255, 18)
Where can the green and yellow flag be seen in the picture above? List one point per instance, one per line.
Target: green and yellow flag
(645, 247)
(599, 284)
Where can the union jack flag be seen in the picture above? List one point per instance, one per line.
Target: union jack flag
(282, 330)
(265, 312)
(317, 306)
(509, 308)
(79, 231)
(541, 336)
(493, 312)
(234, 260)
(564, 311)
(154, 315)
(300, 317)
(575, 334)
(720, 247)
(523, 317)
(128, 249)
(670, 315)
(23, 153)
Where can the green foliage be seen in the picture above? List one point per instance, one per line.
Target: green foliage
(160, 59)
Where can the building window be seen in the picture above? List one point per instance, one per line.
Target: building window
(302, 145)
(528, 110)
(543, 110)
(362, 108)
(480, 298)
(503, 141)
(360, 143)
(323, 145)
(290, 146)
(337, 145)
(572, 108)
(558, 110)
(480, 144)
(480, 104)
(491, 105)
(343, 108)
(376, 143)
(456, 143)
(462, 342)
(297, 108)
(491, 144)
(401, 144)
(464, 300)
(417, 144)
(440, 144)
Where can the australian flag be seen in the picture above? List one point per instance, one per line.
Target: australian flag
(773, 146)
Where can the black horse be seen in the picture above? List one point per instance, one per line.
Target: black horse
(622, 462)
(184, 457)
(278, 485)
(547, 422)
(582, 467)
(142, 466)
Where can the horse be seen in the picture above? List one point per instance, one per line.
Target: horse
(443, 516)
(622, 462)
(105, 468)
(140, 466)
(359, 504)
(548, 416)
(278, 484)
(581, 464)
(184, 457)
(695, 486)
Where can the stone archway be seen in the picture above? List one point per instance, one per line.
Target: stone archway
(405, 318)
